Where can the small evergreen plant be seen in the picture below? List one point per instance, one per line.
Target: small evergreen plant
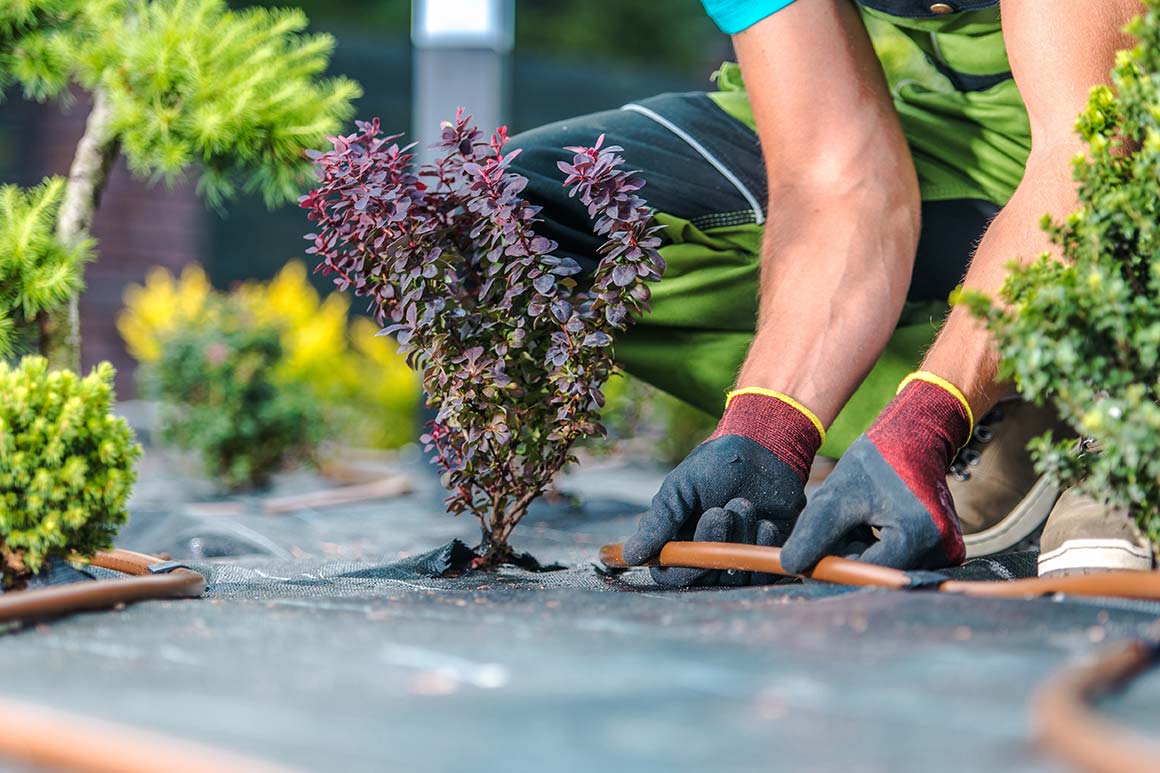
(1084, 332)
(176, 85)
(514, 350)
(220, 396)
(361, 384)
(66, 466)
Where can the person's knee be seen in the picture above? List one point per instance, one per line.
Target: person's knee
(539, 150)
(561, 218)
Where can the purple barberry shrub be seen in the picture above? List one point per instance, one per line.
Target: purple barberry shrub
(513, 346)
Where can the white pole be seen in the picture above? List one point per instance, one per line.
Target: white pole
(461, 60)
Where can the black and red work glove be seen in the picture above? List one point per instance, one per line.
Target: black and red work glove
(892, 478)
(746, 483)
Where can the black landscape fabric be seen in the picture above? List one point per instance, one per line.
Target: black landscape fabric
(327, 641)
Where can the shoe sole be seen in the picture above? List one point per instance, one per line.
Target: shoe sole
(1020, 523)
(1091, 556)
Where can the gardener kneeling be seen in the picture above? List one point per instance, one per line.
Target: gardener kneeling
(851, 212)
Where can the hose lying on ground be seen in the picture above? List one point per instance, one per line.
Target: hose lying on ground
(49, 739)
(1068, 728)
(1065, 723)
(844, 571)
(54, 740)
(150, 578)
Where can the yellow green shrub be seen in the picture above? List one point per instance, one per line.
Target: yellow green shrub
(165, 302)
(369, 395)
(66, 466)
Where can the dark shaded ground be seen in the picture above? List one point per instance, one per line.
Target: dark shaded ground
(319, 650)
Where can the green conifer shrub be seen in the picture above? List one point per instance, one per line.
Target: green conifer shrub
(238, 96)
(39, 40)
(177, 86)
(66, 466)
(220, 395)
(1084, 332)
(37, 271)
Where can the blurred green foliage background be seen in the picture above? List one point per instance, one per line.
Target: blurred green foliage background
(678, 34)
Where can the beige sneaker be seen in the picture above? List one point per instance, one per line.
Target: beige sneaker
(1085, 536)
(999, 498)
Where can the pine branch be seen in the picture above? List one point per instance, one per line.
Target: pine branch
(37, 272)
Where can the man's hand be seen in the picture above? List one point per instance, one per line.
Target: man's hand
(744, 484)
(729, 489)
(893, 479)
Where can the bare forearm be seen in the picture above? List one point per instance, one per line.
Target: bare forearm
(1055, 59)
(843, 204)
(965, 352)
(834, 279)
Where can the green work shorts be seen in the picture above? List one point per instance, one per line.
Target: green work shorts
(706, 179)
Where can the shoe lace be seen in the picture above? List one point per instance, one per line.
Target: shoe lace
(969, 455)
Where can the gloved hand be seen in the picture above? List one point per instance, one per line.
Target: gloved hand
(892, 478)
(744, 484)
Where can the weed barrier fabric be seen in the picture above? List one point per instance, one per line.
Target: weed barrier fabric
(327, 641)
(111, 580)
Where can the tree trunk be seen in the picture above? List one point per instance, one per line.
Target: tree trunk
(60, 330)
(13, 573)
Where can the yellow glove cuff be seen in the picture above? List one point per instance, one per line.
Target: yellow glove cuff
(939, 381)
(788, 401)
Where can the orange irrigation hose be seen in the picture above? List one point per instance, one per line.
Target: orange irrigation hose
(1122, 584)
(754, 558)
(49, 739)
(1065, 723)
(844, 571)
(142, 585)
(1067, 727)
(54, 740)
